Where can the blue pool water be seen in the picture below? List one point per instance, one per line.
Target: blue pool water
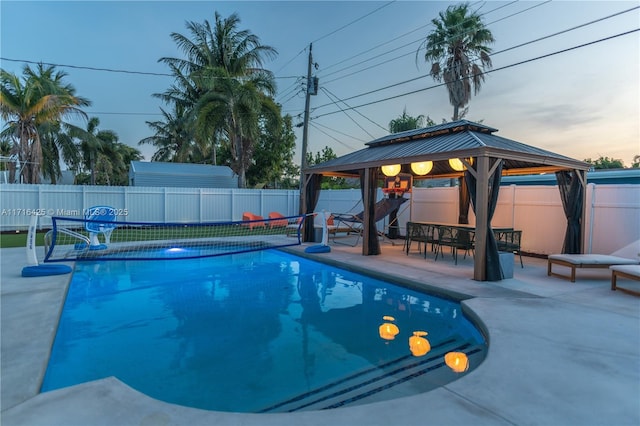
(263, 331)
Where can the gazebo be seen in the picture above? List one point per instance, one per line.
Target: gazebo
(464, 150)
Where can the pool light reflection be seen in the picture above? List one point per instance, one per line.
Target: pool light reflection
(388, 330)
(174, 250)
(457, 361)
(418, 345)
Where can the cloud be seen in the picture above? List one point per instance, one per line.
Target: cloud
(559, 116)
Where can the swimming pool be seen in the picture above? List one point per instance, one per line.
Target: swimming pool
(265, 331)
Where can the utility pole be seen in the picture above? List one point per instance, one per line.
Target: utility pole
(305, 134)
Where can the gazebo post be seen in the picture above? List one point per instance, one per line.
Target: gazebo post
(482, 200)
(366, 201)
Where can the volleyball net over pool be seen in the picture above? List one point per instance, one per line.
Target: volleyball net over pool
(106, 239)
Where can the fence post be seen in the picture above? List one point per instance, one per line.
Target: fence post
(591, 188)
(164, 203)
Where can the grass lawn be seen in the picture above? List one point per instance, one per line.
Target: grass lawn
(19, 239)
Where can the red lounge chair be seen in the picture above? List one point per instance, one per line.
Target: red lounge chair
(279, 221)
(255, 220)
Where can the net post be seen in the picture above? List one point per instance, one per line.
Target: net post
(325, 229)
(32, 258)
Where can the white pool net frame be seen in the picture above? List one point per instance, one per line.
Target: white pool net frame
(74, 239)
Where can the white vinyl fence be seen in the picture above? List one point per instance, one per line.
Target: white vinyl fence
(613, 211)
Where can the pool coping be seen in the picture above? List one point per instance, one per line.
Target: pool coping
(533, 321)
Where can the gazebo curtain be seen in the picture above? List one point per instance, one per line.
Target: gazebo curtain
(492, 262)
(312, 193)
(572, 194)
(463, 201)
(373, 247)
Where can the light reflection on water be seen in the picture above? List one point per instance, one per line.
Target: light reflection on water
(247, 332)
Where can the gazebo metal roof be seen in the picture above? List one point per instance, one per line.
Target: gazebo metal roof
(458, 139)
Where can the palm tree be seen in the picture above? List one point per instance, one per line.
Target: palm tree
(57, 145)
(39, 99)
(125, 155)
(458, 52)
(222, 79)
(240, 109)
(408, 122)
(95, 146)
(174, 137)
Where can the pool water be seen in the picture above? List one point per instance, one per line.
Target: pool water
(264, 331)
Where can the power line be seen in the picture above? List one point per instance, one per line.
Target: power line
(414, 42)
(291, 60)
(294, 95)
(338, 131)
(113, 70)
(294, 89)
(390, 41)
(329, 92)
(87, 68)
(487, 72)
(121, 113)
(566, 31)
(333, 32)
(351, 118)
(353, 22)
(410, 43)
(335, 139)
(492, 54)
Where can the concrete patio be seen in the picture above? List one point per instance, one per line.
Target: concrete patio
(560, 353)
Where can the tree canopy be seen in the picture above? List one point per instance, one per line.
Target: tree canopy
(605, 163)
(34, 104)
(222, 98)
(408, 122)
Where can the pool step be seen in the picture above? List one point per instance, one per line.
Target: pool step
(395, 376)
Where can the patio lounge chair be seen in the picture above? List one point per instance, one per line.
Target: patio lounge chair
(574, 261)
(254, 220)
(353, 223)
(631, 272)
(278, 220)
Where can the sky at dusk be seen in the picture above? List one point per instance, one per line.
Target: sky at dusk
(565, 75)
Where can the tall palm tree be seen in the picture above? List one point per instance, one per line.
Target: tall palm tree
(39, 98)
(222, 78)
(458, 52)
(240, 109)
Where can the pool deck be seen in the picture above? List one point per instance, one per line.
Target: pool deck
(560, 353)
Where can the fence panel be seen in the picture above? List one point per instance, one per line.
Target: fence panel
(435, 204)
(612, 211)
(216, 205)
(539, 214)
(144, 204)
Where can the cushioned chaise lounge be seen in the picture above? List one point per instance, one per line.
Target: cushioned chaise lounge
(631, 272)
(574, 261)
